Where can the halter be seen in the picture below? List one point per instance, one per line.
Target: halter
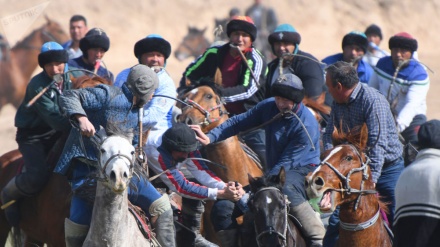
(270, 229)
(346, 179)
(104, 176)
(207, 113)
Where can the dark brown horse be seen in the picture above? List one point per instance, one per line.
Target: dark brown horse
(16, 71)
(344, 178)
(273, 225)
(42, 216)
(192, 45)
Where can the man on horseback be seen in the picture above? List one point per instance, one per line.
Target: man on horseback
(93, 46)
(39, 126)
(292, 136)
(405, 83)
(94, 107)
(374, 52)
(355, 104)
(77, 28)
(179, 148)
(240, 69)
(354, 47)
(285, 42)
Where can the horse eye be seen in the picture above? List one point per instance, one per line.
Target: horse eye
(102, 150)
(349, 158)
(132, 152)
(209, 96)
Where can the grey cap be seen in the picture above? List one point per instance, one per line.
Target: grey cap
(288, 86)
(142, 81)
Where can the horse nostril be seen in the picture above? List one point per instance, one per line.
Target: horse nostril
(113, 176)
(125, 175)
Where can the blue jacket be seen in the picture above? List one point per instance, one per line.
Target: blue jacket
(364, 70)
(287, 144)
(101, 105)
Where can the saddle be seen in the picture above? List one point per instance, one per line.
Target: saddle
(141, 220)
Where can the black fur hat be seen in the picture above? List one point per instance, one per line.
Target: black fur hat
(151, 43)
(355, 38)
(429, 134)
(403, 40)
(52, 52)
(242, 23)
(374, 29)
(95, 38)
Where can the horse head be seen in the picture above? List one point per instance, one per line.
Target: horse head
(344, 174)
(270, 209)
(116, 157)
(193, 44)
(205, 106)
(52, 31)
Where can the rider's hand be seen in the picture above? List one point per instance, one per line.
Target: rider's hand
(85, 126)
(200, 136)
(229, 193)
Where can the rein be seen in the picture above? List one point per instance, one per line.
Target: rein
(360, 226)
(346, 179)
(270, 229)
(206, 112)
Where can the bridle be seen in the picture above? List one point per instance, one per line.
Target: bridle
(103, 176)
(270, 229)
(346, 189)
(206, 112)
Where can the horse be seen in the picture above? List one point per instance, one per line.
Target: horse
(22, 60)
(42, 216)
(207, 110)
(273, 225)
(111, 220)
(193, 44)
(344, 178)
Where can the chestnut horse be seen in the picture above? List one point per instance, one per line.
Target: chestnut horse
(273, 225)
(192, 45)
(17, 69)
(344, 178)
(42, 216)
(207, 110)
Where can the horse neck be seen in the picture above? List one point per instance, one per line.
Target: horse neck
(110, 212)
(366, 209)
(26, 53)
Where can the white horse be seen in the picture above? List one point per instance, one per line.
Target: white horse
(112, 223)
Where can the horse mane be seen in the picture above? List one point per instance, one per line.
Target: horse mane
(205, 81)
(357, 136)
(86, 81)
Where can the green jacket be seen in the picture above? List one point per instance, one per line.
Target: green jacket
(44, 115)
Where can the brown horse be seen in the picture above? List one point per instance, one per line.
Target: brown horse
(344, 178)
(207, 110)
(16, 71)
(42, 215)
(192, 45)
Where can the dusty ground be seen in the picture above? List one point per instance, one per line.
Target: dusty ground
(321, 24)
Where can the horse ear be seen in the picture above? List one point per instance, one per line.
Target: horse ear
(47, 19)
(252, 181)
(282, 176)
(363, 137)
(204, 30)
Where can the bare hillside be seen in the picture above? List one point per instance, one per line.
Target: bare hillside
(321, 24)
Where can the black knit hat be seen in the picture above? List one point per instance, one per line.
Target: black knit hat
(152, 43)
(288, 86)
(374, 29)
(429, 134)
(179, 138)
(95, 38)
(403, 40)
(355, 38)
(52, 52)
(242, 23)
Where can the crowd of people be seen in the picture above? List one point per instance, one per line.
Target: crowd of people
(363, 84)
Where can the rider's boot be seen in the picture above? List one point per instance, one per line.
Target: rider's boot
(192, 211)
(227, 238)
(164, 228)
(12, 192)
(75, 234)
(312, 226)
